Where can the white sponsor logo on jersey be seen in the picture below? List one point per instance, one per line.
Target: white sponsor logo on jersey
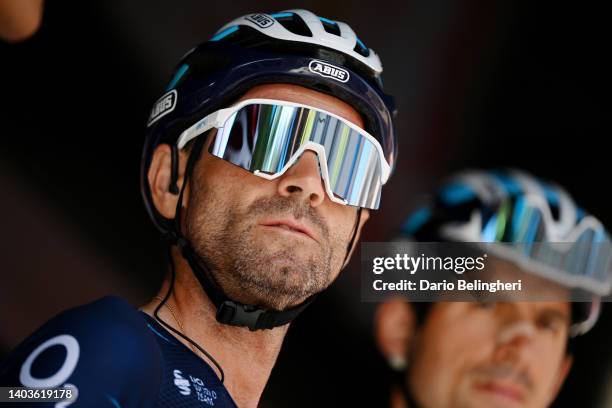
(58, 379)
(181, 383)
(189, 383)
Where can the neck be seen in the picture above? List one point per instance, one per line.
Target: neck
(401, 396)
(397, 399)
(247, 357)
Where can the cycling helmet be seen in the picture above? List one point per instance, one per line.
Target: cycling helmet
(512, 209)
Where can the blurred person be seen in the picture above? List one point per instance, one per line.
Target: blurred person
(494, 353)
(261, 163)
(20, 19)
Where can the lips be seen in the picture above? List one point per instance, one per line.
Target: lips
(291, 225)
(502, 389)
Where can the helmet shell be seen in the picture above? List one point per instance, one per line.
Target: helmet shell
(482, 196)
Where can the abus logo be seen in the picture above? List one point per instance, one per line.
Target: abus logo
(262, 20)
(181, 383)
(328, 70)
(163, 106)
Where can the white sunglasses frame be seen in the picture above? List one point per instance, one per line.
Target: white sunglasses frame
(218, 119)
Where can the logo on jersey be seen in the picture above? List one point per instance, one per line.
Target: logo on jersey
(163, 106)
(262, 20)
(328, 70)
(200, 391)
(181, 383)
(59, 378)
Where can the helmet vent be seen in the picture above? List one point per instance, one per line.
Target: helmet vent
(295, 24)
(361, 49)
(331, 27)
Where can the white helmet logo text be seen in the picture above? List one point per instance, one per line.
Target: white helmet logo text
(328, 70)
(262, 20)
(163, 106)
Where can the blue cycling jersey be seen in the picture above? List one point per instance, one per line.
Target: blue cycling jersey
(113, 355)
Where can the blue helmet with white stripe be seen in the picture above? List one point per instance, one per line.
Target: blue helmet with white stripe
(294, 47)
(512, 209)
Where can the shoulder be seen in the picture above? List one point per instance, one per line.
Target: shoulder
(103, 346)
(109, 326)
(108, 320)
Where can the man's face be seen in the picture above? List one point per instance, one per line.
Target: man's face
(272, 243)
(470, 354)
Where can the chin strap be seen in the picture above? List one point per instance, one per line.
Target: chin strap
(229, 311)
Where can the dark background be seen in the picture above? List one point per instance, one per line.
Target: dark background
(478, 84)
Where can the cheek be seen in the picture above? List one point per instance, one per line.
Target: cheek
(214, 199)
(445, 354)
(549, 356)
(230, 187)
(341, 220)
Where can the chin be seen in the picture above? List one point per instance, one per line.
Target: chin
(283, 282)
(278, 271)
(480, 400)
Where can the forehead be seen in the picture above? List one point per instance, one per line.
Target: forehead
(535, 287)
(526, 309)
(306, 96)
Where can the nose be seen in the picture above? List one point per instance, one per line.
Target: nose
(515, 334)
(304, 180)
(514, 343)
(515, 322)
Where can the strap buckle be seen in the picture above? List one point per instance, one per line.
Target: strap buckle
(237, 314)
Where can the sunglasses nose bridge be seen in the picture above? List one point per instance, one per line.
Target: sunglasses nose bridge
(319, 152)
(321, 159)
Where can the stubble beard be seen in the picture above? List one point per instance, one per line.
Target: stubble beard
(251, 268)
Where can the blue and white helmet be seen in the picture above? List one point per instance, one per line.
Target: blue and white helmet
(322, 32)
(294, 47)
(509, 210)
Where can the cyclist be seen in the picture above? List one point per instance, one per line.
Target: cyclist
(504, 353)
(261, 162)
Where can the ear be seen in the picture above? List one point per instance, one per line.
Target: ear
(562, 374)
(363, 217)
(394, 330)
(160, 176)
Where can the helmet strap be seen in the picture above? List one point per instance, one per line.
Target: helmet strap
(353, 240)
(173, 188)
